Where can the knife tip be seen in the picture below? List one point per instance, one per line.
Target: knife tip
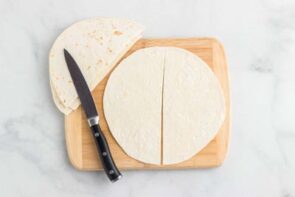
(65, 51)
(66, 54)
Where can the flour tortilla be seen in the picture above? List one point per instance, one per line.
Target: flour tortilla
(193, 106)
(187, 102)
(58, 103)
(132, 104)
(97, 45)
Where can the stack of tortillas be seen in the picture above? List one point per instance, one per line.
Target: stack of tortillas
(97, 45)
(162, 104)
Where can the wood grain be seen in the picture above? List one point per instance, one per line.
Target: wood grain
(81, 147)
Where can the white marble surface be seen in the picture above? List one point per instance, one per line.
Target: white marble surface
(259, 38)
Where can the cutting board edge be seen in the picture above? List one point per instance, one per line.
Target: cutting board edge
(227, 94)
(78, 164)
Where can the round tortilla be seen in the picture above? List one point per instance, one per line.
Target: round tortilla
(163, 94)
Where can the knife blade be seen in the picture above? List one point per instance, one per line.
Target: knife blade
(89, 107)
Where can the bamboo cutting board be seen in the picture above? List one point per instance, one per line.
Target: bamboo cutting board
(81, 147)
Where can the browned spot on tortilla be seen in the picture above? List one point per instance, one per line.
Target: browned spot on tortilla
(88, 67)
(92, 34)
(99, 39)
(118, 33)
(70, 81)
(99, 61)
(110, 50)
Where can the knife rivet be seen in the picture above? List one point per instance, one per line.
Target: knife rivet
(96, 134)
(111, 172)
(104, 154)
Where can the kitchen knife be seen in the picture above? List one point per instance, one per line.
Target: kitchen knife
(92, 116)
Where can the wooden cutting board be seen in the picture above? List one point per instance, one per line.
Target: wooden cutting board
(80, 145)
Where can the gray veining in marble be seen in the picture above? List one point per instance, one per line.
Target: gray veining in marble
(259, 38)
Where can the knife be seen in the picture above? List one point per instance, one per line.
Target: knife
(92, 116)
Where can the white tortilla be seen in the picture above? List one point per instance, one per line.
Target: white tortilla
(97, 45)
(58, 103)
(132, 105)
(193, 106)
(192, 103)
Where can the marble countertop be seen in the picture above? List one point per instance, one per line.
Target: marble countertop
(259, 39)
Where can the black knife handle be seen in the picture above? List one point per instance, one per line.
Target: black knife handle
(105, 154)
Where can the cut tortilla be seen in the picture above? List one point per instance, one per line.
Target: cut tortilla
(96, 45)
(58, 103)
(193, 106)
(163, 92)
(132, 104)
